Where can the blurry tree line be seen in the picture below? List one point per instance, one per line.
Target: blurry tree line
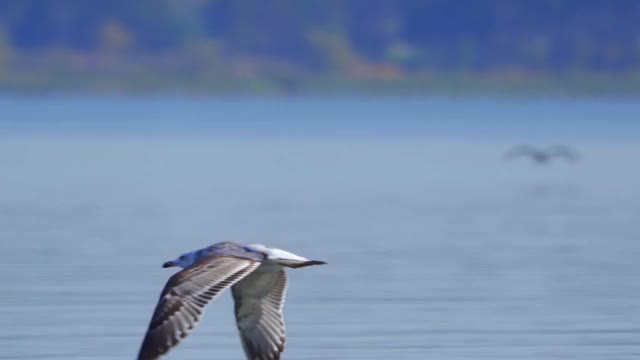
(539, 35)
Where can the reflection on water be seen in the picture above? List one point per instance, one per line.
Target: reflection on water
(466, 257)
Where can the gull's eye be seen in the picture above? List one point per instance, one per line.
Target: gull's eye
(183, 257)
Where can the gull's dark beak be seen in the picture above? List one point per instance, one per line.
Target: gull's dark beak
(168, 264)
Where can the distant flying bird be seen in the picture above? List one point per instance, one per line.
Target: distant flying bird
(540, 156)
(258, 283)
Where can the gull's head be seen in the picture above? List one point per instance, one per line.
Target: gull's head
(183, 261)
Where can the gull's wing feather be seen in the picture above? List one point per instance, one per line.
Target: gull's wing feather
(521, 150)
(259, 299)
(184, 297)
(563, 151)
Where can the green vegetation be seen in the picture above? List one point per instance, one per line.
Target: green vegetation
(318, 46)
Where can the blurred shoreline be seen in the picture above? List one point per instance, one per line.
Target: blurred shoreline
(64, 72)
(354, 47)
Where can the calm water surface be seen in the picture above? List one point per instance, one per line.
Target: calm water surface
(437, 248)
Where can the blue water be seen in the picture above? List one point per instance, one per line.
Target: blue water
(438, 248)
(400, 118)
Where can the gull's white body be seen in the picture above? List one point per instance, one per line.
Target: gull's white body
(257, 277)
(277, 254)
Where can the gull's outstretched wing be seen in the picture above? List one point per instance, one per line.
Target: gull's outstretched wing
(184, 297)
(563, 151)
(259, 299)
(521, 150)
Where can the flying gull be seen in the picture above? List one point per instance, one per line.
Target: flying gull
(541, 156)
(258, 284)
